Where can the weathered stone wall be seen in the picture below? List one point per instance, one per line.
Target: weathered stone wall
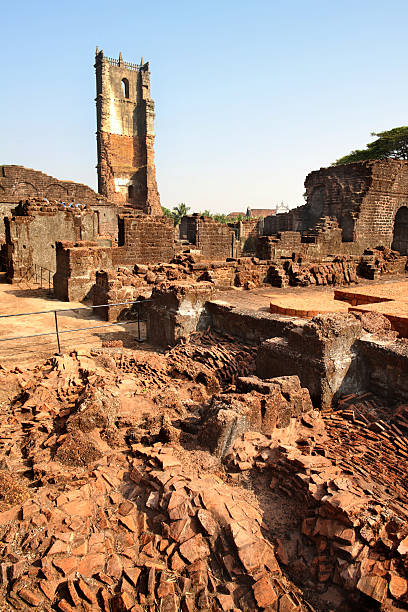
(320, 352)
(32, 233)
(364, 197)
(107, 217)
(124, 284)
(188, 228)
(248, 231)
(247, 325)
(146, 240)
(18, 183)
(216, 241)
(383, 368)
(176, 311)
(125, 134)
(76, 269)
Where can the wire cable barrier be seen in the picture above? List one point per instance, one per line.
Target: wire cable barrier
(57, 332)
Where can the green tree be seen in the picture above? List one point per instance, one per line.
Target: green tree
(389, 144)
(221, 218)
(180, 211)
(167, 212)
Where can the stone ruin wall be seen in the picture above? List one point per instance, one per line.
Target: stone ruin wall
(216, 241)
(363, 197)
(248, 231)
(323, 241)
(124, 284)
(31, 235)
(18, 183)
(146, 240)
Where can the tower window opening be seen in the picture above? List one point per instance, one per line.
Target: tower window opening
(130, 192)
(125, 88)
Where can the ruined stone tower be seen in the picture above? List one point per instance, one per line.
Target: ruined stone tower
(125, 133)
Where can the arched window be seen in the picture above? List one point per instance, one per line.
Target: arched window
(125, 88)
(130, 192)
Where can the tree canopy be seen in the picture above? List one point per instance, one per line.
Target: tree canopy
(177, 213)
(182, 210)
(389, 144)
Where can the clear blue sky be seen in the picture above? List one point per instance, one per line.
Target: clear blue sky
(250, 95)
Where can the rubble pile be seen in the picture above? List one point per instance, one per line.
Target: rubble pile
(376, 323)
(179, 480)
(381, 260)
(346, 468)
(95, 517)
(219, 356)
(297, 273)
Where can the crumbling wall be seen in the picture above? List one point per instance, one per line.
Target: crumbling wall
(257, 405)
(18, 183)
(248, 230)
(76, 269)
(321, 352)
(125, 133)
(177, 310)
(32, 233)
(364, 197)
(216, 241)
(146, 240)
(383, 368)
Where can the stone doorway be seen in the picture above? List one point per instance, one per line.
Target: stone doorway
(400, 239)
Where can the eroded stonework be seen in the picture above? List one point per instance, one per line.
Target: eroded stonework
(125, 134)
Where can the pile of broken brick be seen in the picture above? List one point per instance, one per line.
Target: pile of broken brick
(295, 272)
(381, 260)
(130, 481)
(348, 471)
(93, 520)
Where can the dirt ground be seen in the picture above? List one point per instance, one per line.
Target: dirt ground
(14, 299)
(24, 351)
(259, 298)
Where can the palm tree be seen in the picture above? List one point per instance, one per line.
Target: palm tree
(180, 211)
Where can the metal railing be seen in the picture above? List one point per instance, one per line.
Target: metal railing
(59, 331)
(34, 273)
(44, 274)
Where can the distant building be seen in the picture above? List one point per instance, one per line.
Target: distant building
(234, 215)
(260, 212)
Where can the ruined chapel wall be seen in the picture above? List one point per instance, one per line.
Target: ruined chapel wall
(5, 211)
(76, 266)
(364, 197)
(18, 183)
(147, 240)
(216, 241)
(31, 239)
(389, 192)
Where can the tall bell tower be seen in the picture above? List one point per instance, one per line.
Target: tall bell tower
(125, 133)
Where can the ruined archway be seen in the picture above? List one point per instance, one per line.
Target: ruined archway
(400, 238)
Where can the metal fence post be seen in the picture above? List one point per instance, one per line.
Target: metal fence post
(56, 331)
